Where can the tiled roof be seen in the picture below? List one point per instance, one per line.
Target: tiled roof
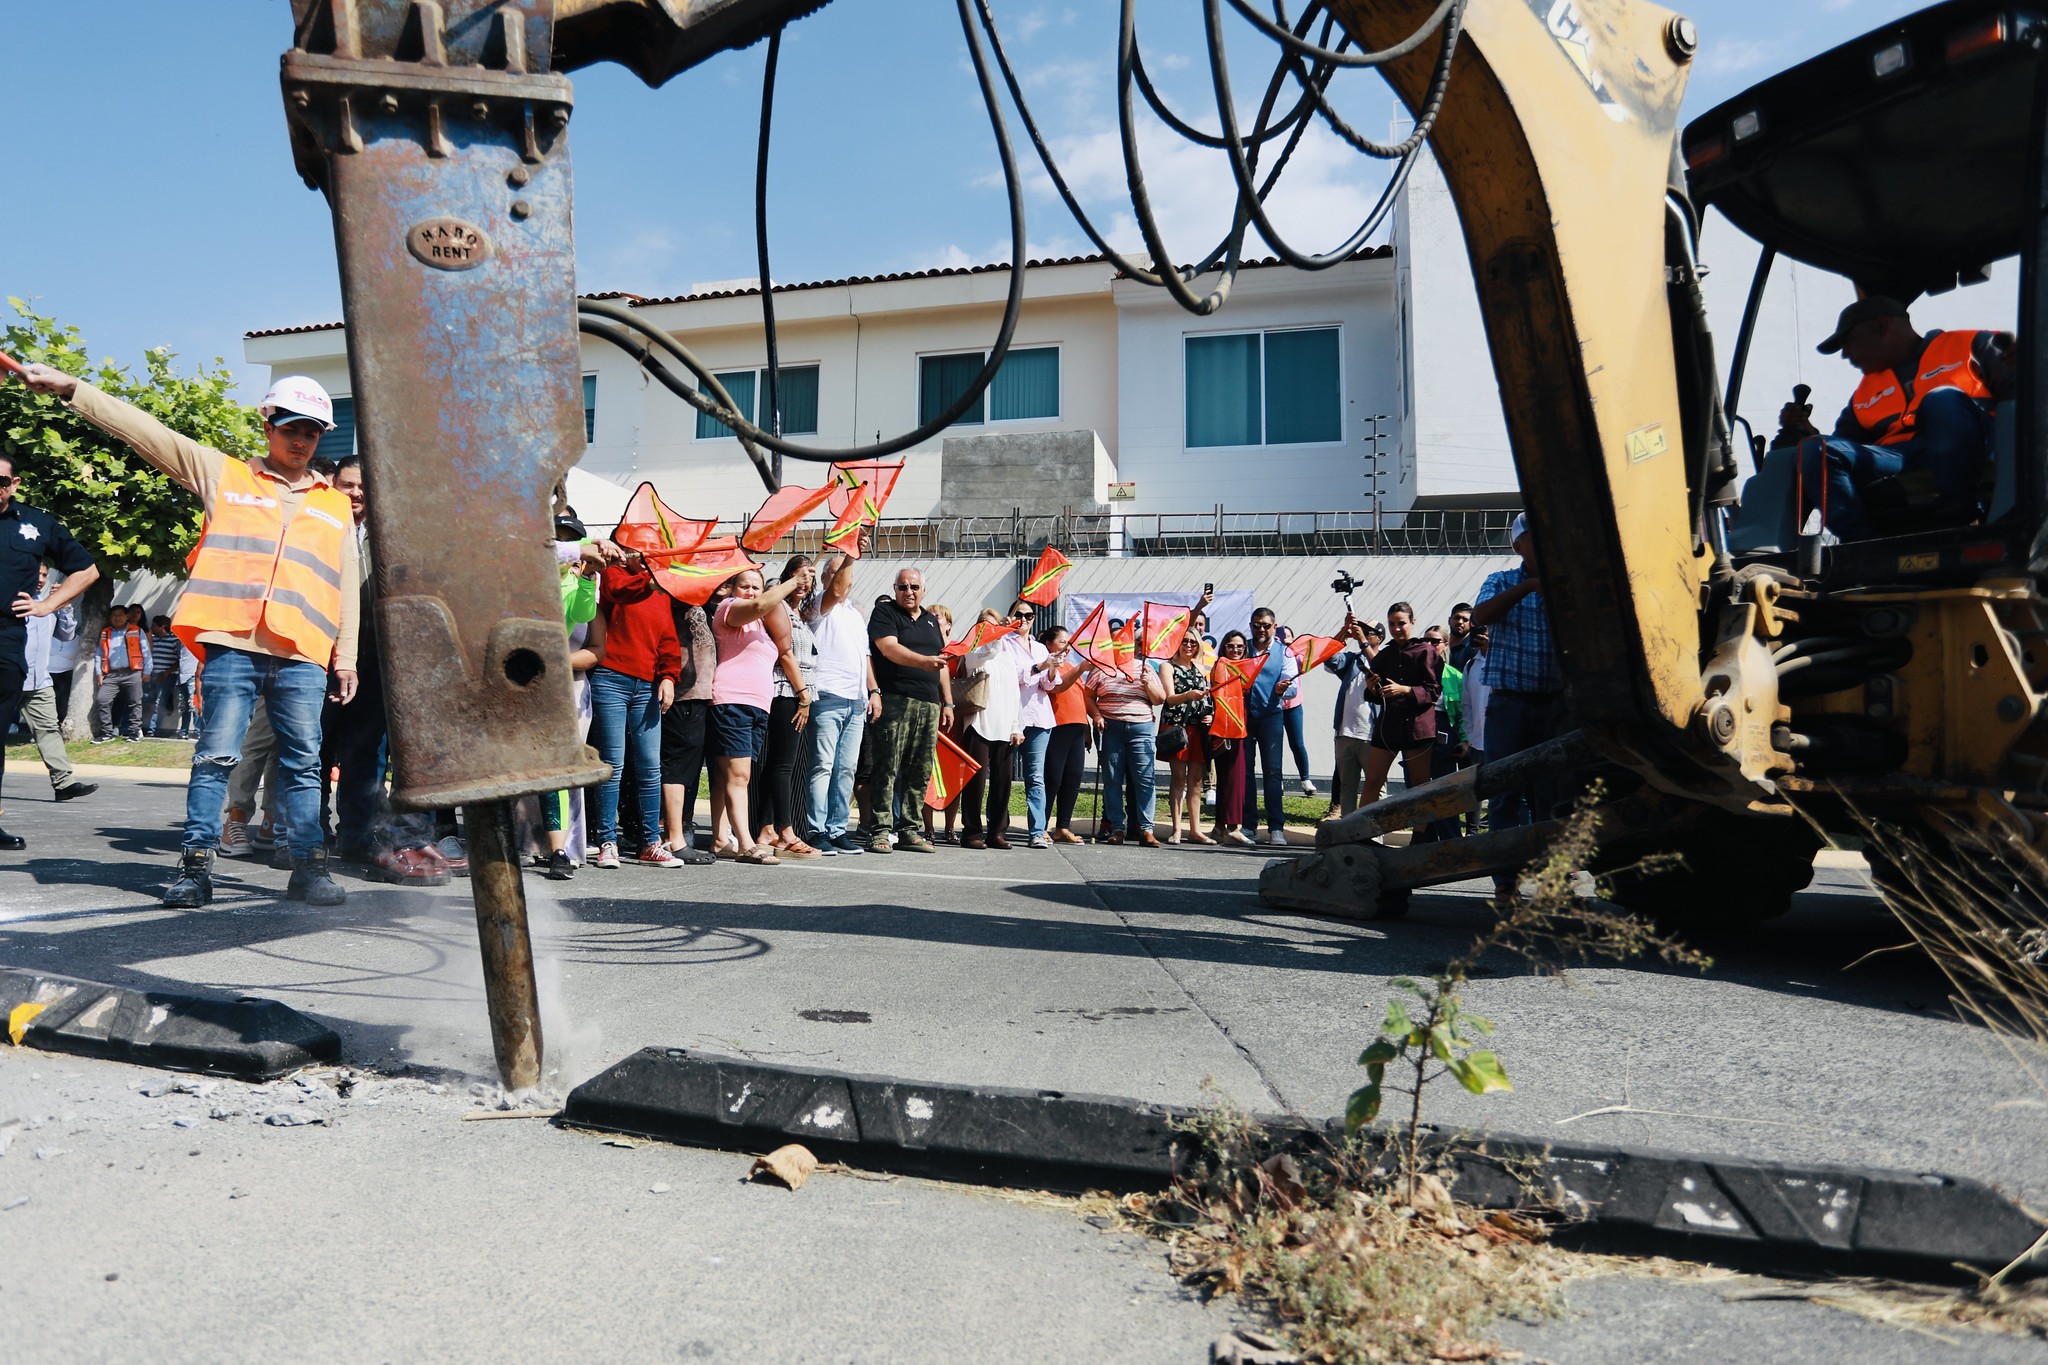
(941, 272)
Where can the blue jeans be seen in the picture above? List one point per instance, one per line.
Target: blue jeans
(624, 711)
(1516, 721)
(836, 725)
(1297, 742)
(1262, 746)
(1127, 751)
(1036, 737)
(292, 692)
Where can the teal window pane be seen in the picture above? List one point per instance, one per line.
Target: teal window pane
(589, 408)
(1223, 390)
(798, 393)
(941, 379)
(342, 440)
(1304, 401)
(1027, 385)
(740, 384)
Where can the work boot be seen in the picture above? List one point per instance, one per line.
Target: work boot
(194, 885)
(310, 882)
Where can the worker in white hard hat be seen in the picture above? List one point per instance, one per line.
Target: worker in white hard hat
(271, 605)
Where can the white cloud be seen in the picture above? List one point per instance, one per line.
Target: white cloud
(1031, 23)
(1740, 56)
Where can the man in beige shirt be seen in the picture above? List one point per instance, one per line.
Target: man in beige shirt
(266, 606)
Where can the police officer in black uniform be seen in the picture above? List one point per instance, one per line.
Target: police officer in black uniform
(29, 537)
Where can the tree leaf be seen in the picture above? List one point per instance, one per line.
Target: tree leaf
(1440, 1044)
(1480, 1073)
(1362, 1108)
(1379, 1053)
(1397, 1019)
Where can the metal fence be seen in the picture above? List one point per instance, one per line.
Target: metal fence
(1433, 531)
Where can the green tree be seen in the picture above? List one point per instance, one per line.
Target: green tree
(132, 518)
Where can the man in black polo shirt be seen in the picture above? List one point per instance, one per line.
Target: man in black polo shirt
(910, 670)
(29, 537)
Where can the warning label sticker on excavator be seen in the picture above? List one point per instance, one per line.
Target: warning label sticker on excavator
(1645, 443)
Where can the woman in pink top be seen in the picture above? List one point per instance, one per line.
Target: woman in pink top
(742, 690)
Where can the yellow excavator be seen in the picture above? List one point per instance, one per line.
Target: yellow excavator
(1736, 701)
(1740, 700)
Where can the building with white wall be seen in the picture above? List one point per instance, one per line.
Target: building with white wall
(1329, 392)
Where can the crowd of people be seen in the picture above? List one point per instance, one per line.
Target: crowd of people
(817, 730)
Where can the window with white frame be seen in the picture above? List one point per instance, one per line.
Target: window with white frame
(1273, 388)
(797, 392)
(1026, 387)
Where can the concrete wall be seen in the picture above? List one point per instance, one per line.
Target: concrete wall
(1152, 433)
(1000, 472)
(1452, 434)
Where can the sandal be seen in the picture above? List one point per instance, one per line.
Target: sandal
(760, 855)
(796, 849)
(1197, 837)
(1173, 838)
(727, 850)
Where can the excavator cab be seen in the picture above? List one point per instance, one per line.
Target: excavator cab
(1904, 161)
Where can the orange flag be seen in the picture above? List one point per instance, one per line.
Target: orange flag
(693, 576)
(657, 530)
(780, 513)
(978, 634)
(1091, 640)
(1228, 689)
(1311, 650)
(845, 533)
(952, 769)
(1124, 647)
(1164, 627)
(865, 485)
(1044, 584)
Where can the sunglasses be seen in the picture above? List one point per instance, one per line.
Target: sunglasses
(1022, 615)
(910, 587)
(9, 480)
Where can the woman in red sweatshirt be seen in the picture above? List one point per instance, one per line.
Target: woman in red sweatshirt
(629, 691)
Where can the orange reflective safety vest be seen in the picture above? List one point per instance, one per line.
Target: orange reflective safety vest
(134, 634)
(1880, 402)
(251, 569)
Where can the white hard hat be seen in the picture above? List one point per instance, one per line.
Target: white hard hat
(1520, 528)
(301, 397)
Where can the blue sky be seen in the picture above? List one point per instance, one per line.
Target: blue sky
(149, 196)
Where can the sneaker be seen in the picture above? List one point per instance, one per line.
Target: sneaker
(845, 843)
(1275, 839)
(913, 842)
(264, 838)
(657, 855)
(1308, 788)
(234, 835)
(559, 867)
(882, 843)
(131, 739)
(607, 856)
(1041, 841)
(109, 739)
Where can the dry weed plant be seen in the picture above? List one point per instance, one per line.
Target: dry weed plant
(1362, 1251)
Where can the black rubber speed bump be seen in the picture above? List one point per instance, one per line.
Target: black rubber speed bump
(1795, 1218)
(985, 1135)
(248, 1038)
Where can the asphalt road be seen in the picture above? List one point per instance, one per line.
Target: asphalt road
(400, 1231)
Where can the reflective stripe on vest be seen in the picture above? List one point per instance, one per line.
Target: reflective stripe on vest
(1880, 401)
(252, 569)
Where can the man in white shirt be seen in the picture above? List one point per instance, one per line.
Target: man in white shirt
(993, 736)
(1034, 714)
(1357, 712)
(39, 694)
(846, 700)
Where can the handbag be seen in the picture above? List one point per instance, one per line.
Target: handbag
(1172, 741)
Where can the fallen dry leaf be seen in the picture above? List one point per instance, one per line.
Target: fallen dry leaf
(792, 1165)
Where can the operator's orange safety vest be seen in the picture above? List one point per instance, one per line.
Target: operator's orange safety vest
(107, 648)
(250, 567)
(1880, 401)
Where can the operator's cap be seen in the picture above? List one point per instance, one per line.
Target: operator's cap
(298, 396)
(1856, 314)
(1520, 528)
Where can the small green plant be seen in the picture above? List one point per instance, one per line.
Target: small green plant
(1547, 928)
(1438, 1038)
